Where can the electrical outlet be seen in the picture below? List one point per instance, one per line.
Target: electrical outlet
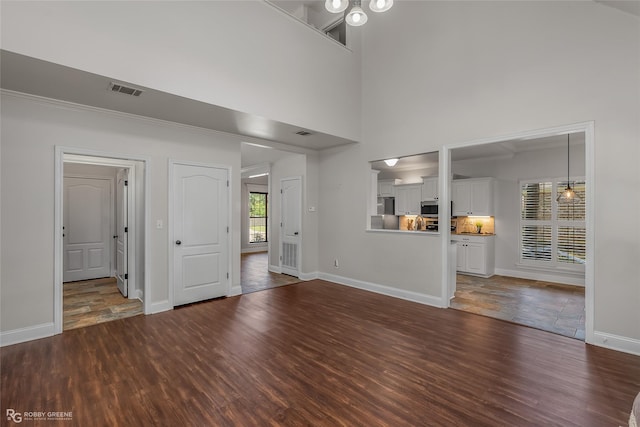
(335, 263)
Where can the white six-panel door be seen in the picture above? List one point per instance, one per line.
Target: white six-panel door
(87, 225)
(200, 233)
(291, 225)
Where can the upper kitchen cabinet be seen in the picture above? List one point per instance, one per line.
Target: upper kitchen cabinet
(386, 187)
(429, 188)
(472, 196)
(408, 198)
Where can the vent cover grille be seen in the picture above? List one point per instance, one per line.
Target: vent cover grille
(115, 87)
(303, 132)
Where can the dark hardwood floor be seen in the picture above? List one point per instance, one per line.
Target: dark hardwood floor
(319, 354)
(255, 274)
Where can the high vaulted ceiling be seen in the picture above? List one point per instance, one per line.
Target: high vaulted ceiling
(36, 77)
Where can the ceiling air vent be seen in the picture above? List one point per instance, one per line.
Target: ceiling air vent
(303, 133)
(115, 87)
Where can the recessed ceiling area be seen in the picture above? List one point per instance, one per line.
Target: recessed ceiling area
(41, 78)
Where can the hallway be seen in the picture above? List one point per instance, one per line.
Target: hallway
(255, 274)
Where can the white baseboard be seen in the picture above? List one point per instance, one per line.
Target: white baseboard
(136, 294)
(308, 276)
(275, 269)
(159, 307)
(253, 250)
(538, 275)
(385, 290)
(616, 342)
(29, 333)
(235, 290)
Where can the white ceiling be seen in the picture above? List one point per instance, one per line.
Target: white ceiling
(253, 155)
(33, 76)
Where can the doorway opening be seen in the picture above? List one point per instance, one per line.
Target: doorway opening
(539, 268)
(100, 238)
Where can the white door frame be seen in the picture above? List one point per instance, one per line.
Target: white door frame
(80, 155)
(299, 251)
(171, 236)
(445, 203)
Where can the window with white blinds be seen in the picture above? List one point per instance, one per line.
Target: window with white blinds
(552, 234)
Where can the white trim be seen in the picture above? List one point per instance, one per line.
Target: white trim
(261, 248)
(29, 333)
(275, 269)
(385, 290)
(309, 276)
(543, 276)
(234, 291)
(616, 342)
(170, 234)
(110, 159)
(160, 306)
(588, 129)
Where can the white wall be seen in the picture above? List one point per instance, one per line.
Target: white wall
(462, 71)
(545, 164)
(30, 131)
(243, 55)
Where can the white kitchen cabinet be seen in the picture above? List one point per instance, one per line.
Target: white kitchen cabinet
(408, 197)
(430, 188)
(475, 255)
(386, 187)
(472, 196)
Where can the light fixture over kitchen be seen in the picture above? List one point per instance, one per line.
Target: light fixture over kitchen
(356, 16)
(568, 195)
(391, 162)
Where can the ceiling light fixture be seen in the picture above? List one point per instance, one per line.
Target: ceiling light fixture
(356, 16)
(568, 195)
(259, 175)
(391, 162)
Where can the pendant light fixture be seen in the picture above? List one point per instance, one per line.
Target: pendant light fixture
(568, 195)
(336, 6)
(356, 16)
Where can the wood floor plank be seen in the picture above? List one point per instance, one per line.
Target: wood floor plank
(319, 354)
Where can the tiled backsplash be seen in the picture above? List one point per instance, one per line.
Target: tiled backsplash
(467, 224)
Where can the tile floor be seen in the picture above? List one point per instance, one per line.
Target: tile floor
(255, 274)
(90, 302)
(542, 305)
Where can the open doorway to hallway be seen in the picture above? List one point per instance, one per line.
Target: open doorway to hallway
(269, 229)
(98, 246)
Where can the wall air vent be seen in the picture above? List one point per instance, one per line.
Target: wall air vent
(115, 87)
(303, 132)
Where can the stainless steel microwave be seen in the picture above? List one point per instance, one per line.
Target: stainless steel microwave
(429, 209)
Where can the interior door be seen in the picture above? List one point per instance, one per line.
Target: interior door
(200, 231)
(122, 230)
(86, 228)
(290, 236)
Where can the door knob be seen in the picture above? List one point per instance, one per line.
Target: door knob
(296, 233)
(178, 242)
